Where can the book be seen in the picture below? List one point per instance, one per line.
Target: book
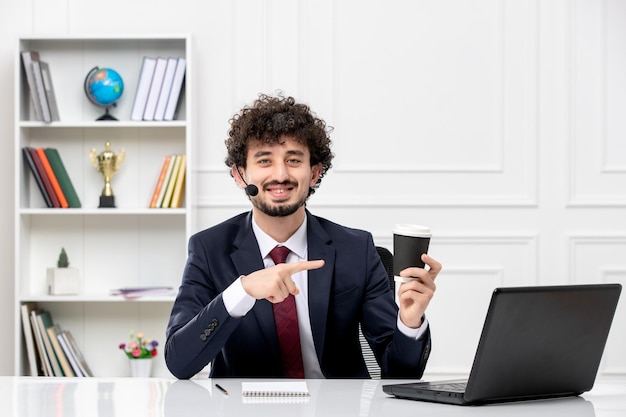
(29, 338)
(177, 85)
(168, 174)
(143, 87)
(69, 354)
(82, 362)
(46, 368)
(171, 182)
(166, 87)
(275, 389)
(44, 320)
(27, 61)
(155, 88)
(160, 181)
(49, 90)
(180, 182)
(53, 332)
(41, 90)
(52, 177)
(31, 164)
(44, 178)
(62, 177)
(136, 292)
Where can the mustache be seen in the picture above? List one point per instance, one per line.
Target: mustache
(275, 183)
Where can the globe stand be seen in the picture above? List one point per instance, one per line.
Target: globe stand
(106, 116)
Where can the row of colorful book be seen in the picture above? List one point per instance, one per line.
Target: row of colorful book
(158, 88)
(51, 350)
(39, 81)
(51, 177)
(169, 187)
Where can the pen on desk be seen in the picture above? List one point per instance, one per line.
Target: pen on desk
(221, 389)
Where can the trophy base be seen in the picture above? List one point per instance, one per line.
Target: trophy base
(107, 201)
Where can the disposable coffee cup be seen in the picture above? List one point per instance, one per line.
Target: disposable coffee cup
(410, 241)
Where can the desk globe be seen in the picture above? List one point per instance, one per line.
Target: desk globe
(104, 87)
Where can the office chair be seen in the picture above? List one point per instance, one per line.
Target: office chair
(370, 360)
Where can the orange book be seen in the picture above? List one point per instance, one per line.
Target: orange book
(160, 181)
(53, 179)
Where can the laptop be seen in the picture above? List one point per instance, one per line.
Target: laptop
(537, 342)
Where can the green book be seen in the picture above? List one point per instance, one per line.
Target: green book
(64, 179)
(44, 320)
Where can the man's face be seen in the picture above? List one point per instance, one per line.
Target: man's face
(283, 174)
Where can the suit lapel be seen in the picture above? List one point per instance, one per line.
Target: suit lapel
(319, 281)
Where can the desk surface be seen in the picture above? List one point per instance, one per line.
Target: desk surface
(138, 397)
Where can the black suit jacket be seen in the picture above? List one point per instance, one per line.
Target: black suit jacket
(351, 288)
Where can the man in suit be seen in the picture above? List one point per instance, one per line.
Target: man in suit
(234, 287)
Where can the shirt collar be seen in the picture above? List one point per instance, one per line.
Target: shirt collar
(297, 243)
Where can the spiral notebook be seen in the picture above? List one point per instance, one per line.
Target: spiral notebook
(275, 389)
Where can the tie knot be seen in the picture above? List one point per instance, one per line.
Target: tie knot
(279, 254)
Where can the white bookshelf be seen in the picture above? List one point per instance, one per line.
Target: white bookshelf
(127, 246)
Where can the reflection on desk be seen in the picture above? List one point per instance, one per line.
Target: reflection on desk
(152, 397)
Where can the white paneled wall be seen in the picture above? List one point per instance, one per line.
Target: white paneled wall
(498, 123)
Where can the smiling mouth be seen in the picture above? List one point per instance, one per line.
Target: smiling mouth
(279, 190)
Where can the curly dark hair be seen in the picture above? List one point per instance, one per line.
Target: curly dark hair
(271, 118)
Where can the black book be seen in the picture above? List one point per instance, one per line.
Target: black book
(29, 160)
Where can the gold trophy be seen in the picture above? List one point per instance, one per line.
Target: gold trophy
(107, 163)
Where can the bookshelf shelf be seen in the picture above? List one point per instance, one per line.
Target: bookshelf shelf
(130, 245)
(102, 125)
(94, 298)
(103, 212)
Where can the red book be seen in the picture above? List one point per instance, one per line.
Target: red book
(52, 177)
(44, 178)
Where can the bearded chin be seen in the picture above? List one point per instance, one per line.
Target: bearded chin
(278, 211)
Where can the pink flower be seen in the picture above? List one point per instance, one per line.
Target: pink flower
(139, 346)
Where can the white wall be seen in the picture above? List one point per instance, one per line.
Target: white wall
(498, 123)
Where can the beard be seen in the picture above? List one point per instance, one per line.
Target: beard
(278, 211)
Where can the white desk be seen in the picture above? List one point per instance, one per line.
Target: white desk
(124, 397)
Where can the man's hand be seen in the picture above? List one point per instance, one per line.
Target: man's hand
(275, 283)
(415, 295)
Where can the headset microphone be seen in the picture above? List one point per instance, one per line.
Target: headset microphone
(251, 189)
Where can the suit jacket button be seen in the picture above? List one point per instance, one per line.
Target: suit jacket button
(214, 322)
(203, 337)
(207, 332)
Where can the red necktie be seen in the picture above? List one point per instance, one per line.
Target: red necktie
(286, 319)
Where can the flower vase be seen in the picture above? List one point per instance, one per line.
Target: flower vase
(140, 367)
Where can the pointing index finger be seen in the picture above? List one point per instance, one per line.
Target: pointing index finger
(295, 267)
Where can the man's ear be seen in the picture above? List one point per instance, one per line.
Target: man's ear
(237, 175)
(316, 171)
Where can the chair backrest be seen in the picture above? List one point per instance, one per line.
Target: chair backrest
(370, 360)
(387, 257)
